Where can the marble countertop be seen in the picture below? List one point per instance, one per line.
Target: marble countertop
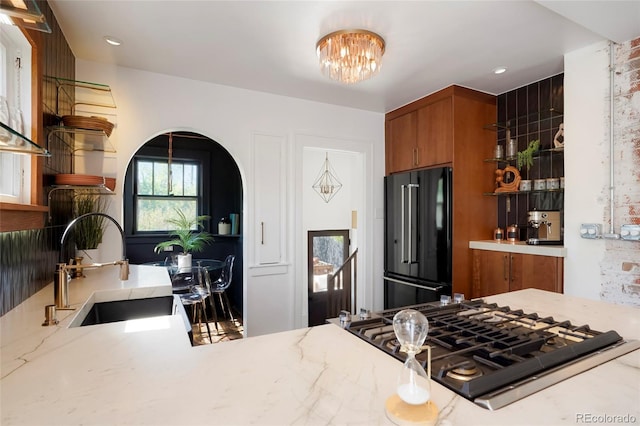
(519, 247)
(107, 375)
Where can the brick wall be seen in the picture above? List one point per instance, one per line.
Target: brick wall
(621, 263)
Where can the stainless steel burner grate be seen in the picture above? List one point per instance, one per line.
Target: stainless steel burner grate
(494, 355)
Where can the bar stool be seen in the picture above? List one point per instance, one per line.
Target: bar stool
(220, 286)
(198, 291)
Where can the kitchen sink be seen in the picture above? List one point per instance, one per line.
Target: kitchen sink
(131, 309)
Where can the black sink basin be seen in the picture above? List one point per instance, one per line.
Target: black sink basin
(123, 310)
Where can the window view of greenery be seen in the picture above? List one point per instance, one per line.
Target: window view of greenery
(158, 194)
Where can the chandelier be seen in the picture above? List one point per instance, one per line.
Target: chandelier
(327, 184)
(350, 56)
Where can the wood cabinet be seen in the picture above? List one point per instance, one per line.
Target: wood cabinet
(421, 138)
(448, 128)
(401, 143)
(435, 133)
(496, 272)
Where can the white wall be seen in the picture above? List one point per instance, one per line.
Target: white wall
(318, 215)
(604, 269)
(586, 86)
(150, 104)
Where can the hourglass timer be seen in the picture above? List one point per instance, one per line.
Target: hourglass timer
(411, 404)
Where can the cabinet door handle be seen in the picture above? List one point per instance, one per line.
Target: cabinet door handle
(511, 268)
(262, 233)
(505, 267)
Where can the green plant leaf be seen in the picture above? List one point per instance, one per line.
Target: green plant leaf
(88, 232)
(525, 157)
(186, 234)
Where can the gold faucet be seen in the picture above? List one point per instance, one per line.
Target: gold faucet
(62, 278)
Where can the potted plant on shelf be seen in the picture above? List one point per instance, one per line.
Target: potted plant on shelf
(186, 234)
(88, 232)
(525, 157)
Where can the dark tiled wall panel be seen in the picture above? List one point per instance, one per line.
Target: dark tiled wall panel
(28, 258)
(533, 112)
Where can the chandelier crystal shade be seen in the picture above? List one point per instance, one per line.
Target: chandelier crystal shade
(350, 56)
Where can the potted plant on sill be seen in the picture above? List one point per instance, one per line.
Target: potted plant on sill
(187, 235)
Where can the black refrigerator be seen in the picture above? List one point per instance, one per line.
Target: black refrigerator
(418, 216)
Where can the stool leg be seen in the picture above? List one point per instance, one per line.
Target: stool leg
(213, 310)
(203, 307)
(196, 315)
(224, 311)
(226, 298)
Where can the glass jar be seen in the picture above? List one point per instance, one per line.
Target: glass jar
(512, 148)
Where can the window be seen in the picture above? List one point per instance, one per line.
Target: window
(15, 104)
(159, 189)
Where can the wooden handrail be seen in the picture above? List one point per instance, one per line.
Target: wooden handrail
(349, 259)
(341, 287)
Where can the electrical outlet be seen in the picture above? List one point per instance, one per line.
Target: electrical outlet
(630, 232)
(169, 248)
(590, 230)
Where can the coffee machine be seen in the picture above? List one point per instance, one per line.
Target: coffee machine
(544, 228)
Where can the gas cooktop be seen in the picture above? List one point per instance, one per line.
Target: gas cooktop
(494, 355)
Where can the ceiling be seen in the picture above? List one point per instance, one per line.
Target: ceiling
(269, 46)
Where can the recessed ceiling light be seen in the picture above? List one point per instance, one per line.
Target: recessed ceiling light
(112, 41)
(499, 70)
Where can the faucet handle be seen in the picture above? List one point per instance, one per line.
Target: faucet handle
(61, 280)
(124, 270)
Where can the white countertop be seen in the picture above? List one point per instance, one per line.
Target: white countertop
(323, 375)
(519, 247)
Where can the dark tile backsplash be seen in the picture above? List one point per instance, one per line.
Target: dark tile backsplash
(532, 112)
(27, 262)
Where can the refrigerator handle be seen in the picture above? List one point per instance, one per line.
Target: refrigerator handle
(411, 186)
(402, 228)
(448, 188)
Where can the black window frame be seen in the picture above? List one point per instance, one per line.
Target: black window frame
(136, 196)
(191, 152)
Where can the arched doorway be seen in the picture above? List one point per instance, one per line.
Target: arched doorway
(197, 162)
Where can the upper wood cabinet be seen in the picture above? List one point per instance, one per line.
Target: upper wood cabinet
(435, 133)
(421, 138)
(401, 142)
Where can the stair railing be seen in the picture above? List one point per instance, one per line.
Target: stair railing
(341, 287)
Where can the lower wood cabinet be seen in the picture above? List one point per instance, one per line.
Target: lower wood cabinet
(497, 272)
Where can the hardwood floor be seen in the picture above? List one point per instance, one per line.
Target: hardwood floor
(227, 330)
